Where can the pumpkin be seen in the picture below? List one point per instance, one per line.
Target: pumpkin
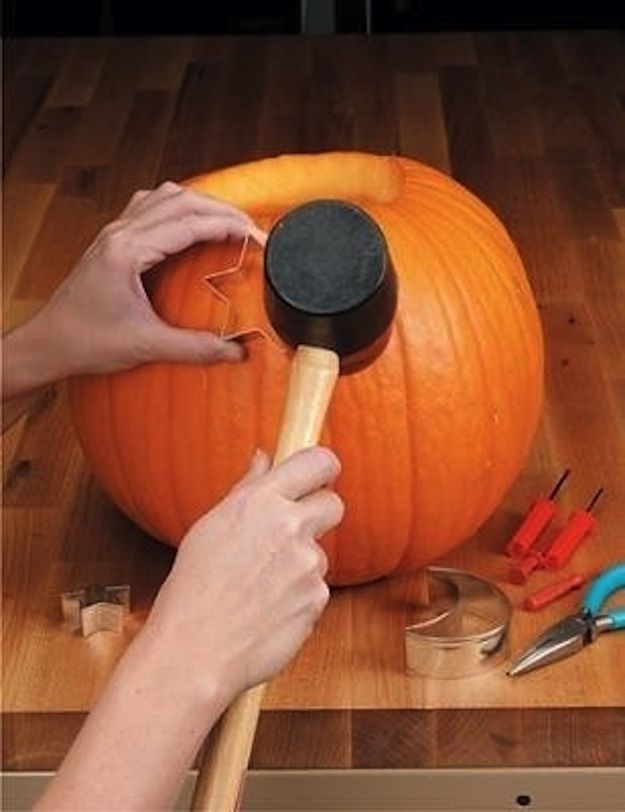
(430, 436)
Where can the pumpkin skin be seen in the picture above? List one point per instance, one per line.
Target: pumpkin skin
(430, 436)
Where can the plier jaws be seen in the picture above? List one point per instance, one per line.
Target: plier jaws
(577, 630)
(566, 637)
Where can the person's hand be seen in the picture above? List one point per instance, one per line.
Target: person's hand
(101, 311)
(100, 319)
(248, 582)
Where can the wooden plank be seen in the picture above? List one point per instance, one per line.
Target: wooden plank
(420, 121)
(40, 156)
(512, 120)
(102, 122)
(75, 83)
(196, 121)
(136, 162)
(25, 205)
(374, 739)
(51, 258)
(47, 459)
(328, 120)
(470, 148)
(283, 125)
(430, 51)
(517, 738)
(369, 93)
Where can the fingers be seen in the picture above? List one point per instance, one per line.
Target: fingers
(176, 207)
(305, 472)
(168, 237)
(321, 511)
(174, 344)
(173, 206)
(144, 199)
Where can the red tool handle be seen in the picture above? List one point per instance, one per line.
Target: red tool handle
(580, 523)
(539, 516)
(521, 570)
(551, 593)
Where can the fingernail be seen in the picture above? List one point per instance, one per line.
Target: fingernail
(233, 351)
(332, 460)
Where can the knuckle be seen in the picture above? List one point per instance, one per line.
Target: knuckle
(322, 561)
(116, 243)
(291, 524)
(169, 186)
(322, 596)
(336, 506)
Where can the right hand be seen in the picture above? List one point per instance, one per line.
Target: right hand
(248, 583)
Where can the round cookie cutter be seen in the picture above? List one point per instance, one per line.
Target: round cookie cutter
(462, 631)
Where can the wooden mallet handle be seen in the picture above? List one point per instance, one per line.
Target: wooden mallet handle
(219, 787)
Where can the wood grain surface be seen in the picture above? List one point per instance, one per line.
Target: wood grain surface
(534, 123)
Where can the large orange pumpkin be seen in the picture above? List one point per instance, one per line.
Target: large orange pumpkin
(430, 436)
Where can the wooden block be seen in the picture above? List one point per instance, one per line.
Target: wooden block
(301, 740)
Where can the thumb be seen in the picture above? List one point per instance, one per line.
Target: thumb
(192, 346)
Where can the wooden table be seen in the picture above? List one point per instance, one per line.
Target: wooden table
(532, 122)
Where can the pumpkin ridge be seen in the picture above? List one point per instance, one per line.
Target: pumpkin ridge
(500, 376)
(513, 312)
(118, 456)
(420, 239)
(456, 333)
(511, 290)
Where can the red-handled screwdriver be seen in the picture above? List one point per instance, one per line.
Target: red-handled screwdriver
(552, 592)
(538, 517)
(580, 523)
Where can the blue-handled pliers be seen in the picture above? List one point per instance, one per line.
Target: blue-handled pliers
(575, 631)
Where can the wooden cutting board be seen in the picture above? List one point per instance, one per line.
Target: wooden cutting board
(531, 123)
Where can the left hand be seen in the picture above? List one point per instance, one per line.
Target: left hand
(100, 318)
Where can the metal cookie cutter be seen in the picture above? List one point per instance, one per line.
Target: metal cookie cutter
(464, 633)
(96, 608)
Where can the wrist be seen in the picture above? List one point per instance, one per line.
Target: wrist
(32, 358)
(157, 664)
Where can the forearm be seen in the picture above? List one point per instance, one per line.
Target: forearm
(32, 358)
(139, 741)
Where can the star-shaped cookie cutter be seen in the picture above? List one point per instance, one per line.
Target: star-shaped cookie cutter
(96, 608)
(236, 324)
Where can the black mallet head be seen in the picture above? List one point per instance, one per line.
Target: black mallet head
(329, 281)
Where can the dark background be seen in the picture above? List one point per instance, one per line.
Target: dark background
(119, 17)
